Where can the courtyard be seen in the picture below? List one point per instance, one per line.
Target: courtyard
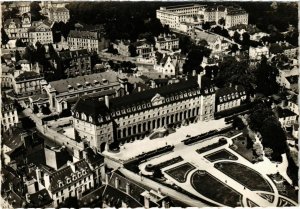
(207, 169)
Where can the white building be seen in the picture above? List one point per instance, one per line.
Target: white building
(289, 78)
(91, 40)
(174, 15)
(166, 42)
(16, 28)
(9, 114)
(168, 64)
(40, 31)
(69, 181)
(256, 53)
(59, 14)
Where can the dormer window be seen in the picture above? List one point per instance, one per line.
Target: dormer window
(133, 108)
(100, 119)
(228, 96)
(74, 177)
(118, 112)
(167, 100)
(206, 91)
(79, 85)
(144, 106)
(221, 99)
(90, 119)
(124, 111)
(79, 174)
(83, 172)
(87, 84)
(128, 110)
(83, 116)
(96, 82)
(60, 183)
(77, 114)
(68, 180)
(107, 117)
(139, 107)
(148, 105)
(104, 81)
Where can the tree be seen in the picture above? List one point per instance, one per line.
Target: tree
(17, 56)
(221, 21)
(194, 59)
(236, 37)
(185, 44)
(259, 113)
(35, 11)
(157, 173)
(233, 48)
(266, 78)
(132, 50)
(30, 54)
(238, 123)
(35, 109)
(19, 43)
(4, 37)
(273, 136)
(206, 26)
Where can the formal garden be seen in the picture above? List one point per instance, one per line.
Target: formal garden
(210, 187)
(245, 176)
(222, 154)
(180, 172)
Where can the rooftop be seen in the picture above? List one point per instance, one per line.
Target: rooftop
(27, 75)
(283, 113)
(83, 34)
(63, 85)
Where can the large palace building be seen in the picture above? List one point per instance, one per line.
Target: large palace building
(101, 122)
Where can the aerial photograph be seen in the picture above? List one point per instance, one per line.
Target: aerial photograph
(149, 104)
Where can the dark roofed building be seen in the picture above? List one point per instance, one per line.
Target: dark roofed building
(73, 62)
(230, 97)
(134, 115)
(72, 180)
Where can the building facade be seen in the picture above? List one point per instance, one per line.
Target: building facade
(90, 40)
(59, 14)
(73, 62)
(9, 114)
(63, 93)
(166, 42)
(16, 28)
(229, 97)
(40, 31)
(27, 83)
(132, 116)
(69, 181)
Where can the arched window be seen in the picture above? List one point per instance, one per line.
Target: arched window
(90, 119)
(83, 116)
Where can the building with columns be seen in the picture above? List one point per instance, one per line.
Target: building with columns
(133, 116)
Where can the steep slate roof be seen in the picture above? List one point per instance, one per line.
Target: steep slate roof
(13, 141)
(66, 55)
(27, 75)
(16, 20)
(39, 199)
(231, 91)
(83, 34)
(62, 85)
(61, 174)
(283, 113)
(58, 9)
(293, 79)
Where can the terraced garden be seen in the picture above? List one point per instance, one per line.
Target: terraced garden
(180, 172)
(210, 187)
(222, 154)
(245, 176)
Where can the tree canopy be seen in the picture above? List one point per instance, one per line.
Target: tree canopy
(266, 78)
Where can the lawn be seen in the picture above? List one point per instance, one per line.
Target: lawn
(210, 187)
(180, 172)
(241, 148)
(287, 190)
(245, 176)
(222, 154)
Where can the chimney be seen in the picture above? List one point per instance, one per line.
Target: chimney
(152, 84)
(27, 196)
(107, 101)
(194, 72)
(236, 87)
(116, 182)
(69, 163)
(200, 78)
(106, 178)
(139, 89)
(127, 188)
